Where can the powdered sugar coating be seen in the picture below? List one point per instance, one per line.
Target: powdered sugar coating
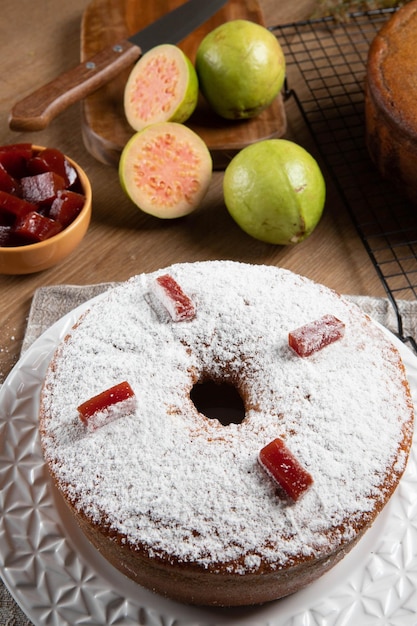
(180, 484)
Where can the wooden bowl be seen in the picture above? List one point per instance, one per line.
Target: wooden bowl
(36, 257)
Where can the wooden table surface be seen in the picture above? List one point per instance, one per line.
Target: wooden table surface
(40, 40)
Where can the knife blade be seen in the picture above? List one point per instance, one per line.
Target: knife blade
(39, 108)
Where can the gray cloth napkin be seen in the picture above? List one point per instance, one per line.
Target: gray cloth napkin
(49, 304)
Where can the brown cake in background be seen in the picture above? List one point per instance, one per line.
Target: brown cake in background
(391, 100)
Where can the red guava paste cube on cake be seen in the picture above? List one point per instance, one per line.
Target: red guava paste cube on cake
(279, 462)
(42, 188)
(107, 406)
(316, 335)
(52, 160)
(37, 227)
(170, 294)
(13, 207)
(14, 158)
(66, 207)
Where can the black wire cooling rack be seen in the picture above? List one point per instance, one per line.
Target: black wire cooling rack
(326, 60)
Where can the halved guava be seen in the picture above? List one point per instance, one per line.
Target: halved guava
(162, 87)
(166, 169)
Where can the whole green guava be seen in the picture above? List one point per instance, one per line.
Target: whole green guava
(241, 69)
(275, 191)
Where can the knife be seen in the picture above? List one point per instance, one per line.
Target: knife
(38, 109)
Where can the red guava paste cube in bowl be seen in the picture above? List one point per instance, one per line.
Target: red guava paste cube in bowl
(7, 182)
(14, 158)
(14, 207)
(66, 206)
(5, 235)
(172, 297)
(42, 188)
(106, 406)
(37, 227)
(316, 335)
(52, 160)
(9, 238)
(279, 462)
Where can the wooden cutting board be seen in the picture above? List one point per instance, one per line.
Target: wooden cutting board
(104, 126)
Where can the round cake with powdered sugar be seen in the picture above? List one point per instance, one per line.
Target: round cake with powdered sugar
(225, 433)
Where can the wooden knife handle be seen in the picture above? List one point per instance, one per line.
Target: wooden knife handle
(38, 109)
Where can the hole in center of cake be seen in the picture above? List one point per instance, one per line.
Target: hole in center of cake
(220, 401)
